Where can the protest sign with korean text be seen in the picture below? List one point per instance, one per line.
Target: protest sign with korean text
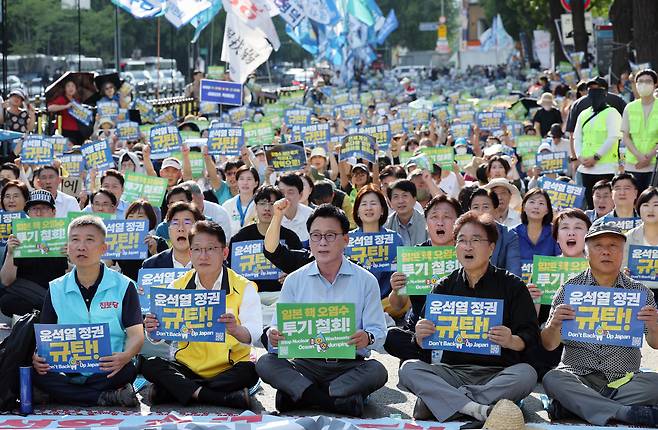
(197, 162)
(6, 220)
(107, 109)
(287, 157)
(526, 147)
(562, 195)
(643, 263)
(312, 135)
(248, 260)
(397, 126)
(225, 141)
(625, 224)
(37, 150)
(149, 188)
(166, 117)
(297, 117)
(164, 139)
(126, 239)
(552, 162)
(189, 315)
(604, 315)
(375, 252)
(128, 130)
(463, 323)
(71, 165)
(490, 120)
(526, 271)
(98, 155)
(350, 111)
(73, 348)
(81, 113)
(239, 114)
(444, 156)
(550, 273)
(258, 133)
(424, 266)
(221, 92)
(316, 330)
(40, 237)
(155, 278)
(460, 129)
(359, 146)
(60, 145)
(381, 133)
(146, 111)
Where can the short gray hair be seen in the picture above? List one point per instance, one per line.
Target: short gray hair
(86, 220)
(193, 187)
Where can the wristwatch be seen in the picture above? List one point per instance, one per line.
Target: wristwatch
(597, 157)
(371, 338)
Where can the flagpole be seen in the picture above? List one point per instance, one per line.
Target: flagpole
(157, 71)
(4, 46)
(117, 42)
(79, 39)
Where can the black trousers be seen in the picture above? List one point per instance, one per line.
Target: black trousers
(643, 179)
(175, 381)
(588, 183)
(73, 389)
(399, 343)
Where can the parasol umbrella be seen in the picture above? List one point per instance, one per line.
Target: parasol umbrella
(101, 80)
(83, 80)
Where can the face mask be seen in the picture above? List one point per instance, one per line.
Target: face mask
(461, 150)
(597, 96)
(644, 89)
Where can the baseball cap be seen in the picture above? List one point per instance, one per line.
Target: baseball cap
(361, 166)
(318, 151)
(598, 81)
(545, 146)
(17, 92)
(171, 162)
(601, 228)
(38, 197)
(461, 141)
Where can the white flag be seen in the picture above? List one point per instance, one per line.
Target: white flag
(290, 10)
(255, 14)
(180, 12)
(244, 48)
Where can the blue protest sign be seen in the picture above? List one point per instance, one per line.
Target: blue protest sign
(72, 165)
(375, 252)
(553, 162)
(349, 111)
(5, 224)
(166, 117)
(155, 278)
(239, 114)
(312, 135)
(562, 195)
(221, 92)
(145, 109)
(526, 271)
(73, 348)
(359, 146)
(643, 262)
(286, 158)
(164, 140)
(125, 239)
(81, 113)
(37, 150)
(625, 224)
(297, 117)
(60, 145)
(397, 126)
(463, 323)
(248, 260)
(604, 315)
(490, 120)
(98, 155)
(189, 315)
(460, 129)
(227, 141)
(128, 130)
(381, 133)
(108, 108)
(9, 135)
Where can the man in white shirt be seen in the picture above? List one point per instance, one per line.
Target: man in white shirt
(210, 210)
(49, 180)
(509, 201)
(291, 186)
(216, 373)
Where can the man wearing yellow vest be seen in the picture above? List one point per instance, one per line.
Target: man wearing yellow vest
(596, 138)
(639, 125)
(207, 372)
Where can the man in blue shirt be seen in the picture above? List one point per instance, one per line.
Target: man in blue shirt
(338, 385)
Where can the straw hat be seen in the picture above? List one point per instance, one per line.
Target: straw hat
(471, 168)
(506, 416)
(546, 98)
(515, 200)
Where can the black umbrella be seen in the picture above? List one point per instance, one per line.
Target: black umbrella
(83, 80)
(100, 81)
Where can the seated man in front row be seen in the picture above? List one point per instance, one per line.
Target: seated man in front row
(470, 383)
(601, 383)
(210, 372)
(338, 385)
(81, 297)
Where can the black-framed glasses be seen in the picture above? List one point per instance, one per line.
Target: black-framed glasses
(329, 237)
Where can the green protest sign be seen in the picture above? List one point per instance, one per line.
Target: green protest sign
(526, 147)
(550, 273)
(258, 133)
(424, 266)
(196, 160)
(40, 237)
(444, 156)
(316, 330)
(150, 188)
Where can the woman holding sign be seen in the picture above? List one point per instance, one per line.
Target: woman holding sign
(241, 208)
(61, 105)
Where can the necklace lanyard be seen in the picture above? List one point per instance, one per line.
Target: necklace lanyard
(242, 213)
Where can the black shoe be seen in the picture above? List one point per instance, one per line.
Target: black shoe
(150, 394)
(349, 405)
(472, 425)
(643, 416)
(238, 399)
(124, 396)
(283, 402)
(557, 412)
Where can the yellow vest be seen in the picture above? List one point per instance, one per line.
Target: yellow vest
(595, 133)
(209, 359)
(644, 133)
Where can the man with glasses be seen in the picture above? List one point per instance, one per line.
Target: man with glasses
(180, 219)
(624, 194)
(24, 287)
(210, 372)
(602, 383)
(268, 289)
(639, 125)
(338, 385)
(464, 383)
(48, 179)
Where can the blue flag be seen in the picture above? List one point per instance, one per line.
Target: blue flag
(390, 25)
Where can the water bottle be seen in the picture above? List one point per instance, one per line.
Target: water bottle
(25, 375)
